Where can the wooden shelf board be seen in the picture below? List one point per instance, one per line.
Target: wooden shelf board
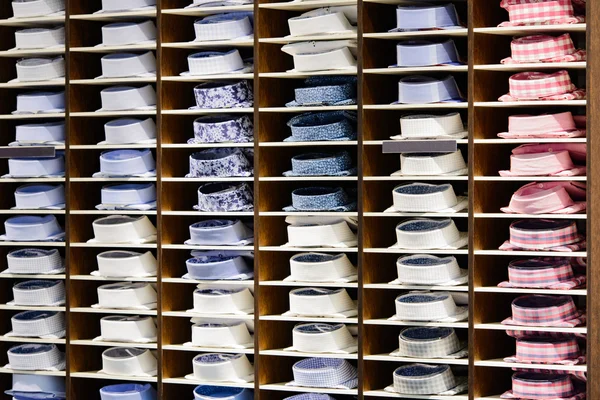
(206, 111)
(111, 16)
(385, 321)
(194, 247)
(306, 5)
(386, 250)
(210, 44)
(412, 215)
(531, 66)
(531, 178)
(283, 353)
(308, 178)
(29, 308)
(523, 141)
(203, 11)
(502, 364)
(209, 179)
(100, 114)
(417, 34)
(179, 347)
(202, 145)
(310, 284)
(112, 81)
(352, 320)
(32, 244)
(108, 49)
(303, 144)
(210, 214)
(102, 343)
(55, 19)
(32, 180)
(32, 85)
(116, 245)
(91, 310)
(432, 106)
(530, 253)
(112, 212)
(110, 146)
(30, 340)
(46, 373)
(18, 53)
(319, 249)
(123, 179)
(415, 178)
(495, 289)
(513, 104)
(387, 357)
(30, 212)
(32, 276)
(33, 116)
(303, 75)
(535, 29)
(307, 214)
(458, 288)
(416, 70)
(202, 78)
(104, 279)
(501, 327)
(98, 375)
(307, 109)
(521, 216)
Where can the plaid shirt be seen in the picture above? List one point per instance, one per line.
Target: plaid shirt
(528, 385)
(541, 86)
(535, 273)
(547, 351)
(541, 310)
(544, 234)
(544, 48)
(536, 12)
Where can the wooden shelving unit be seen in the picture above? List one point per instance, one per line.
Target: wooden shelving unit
(482, 80)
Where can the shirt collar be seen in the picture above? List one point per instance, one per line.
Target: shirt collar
(128, 361)
(220, 232)
(127, 295)
(129, 329)
(321, 267)
(236, 301)
(123, 229)
(217, 367)
(223, 128)
(34, 261)
(230, 335)
(42, 324)
(418, 89)
(125, 264)
(128, 391)
(40, 196)
(40, 38)
(224, 94)
(324, 373)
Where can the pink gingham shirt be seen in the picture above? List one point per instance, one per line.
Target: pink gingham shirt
(540, 12)
(544, 48)
(544, 235)
(539, 274)
(564, 351)
(541, 86)
(540, 386)
(557, 125)
(544, 311)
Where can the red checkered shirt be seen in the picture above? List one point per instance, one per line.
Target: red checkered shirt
(547, 351)
(540, 12)
(544, 48)
(541, 86)
(541, 310)
(553, 274)
(530, 385)
(543, 236)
